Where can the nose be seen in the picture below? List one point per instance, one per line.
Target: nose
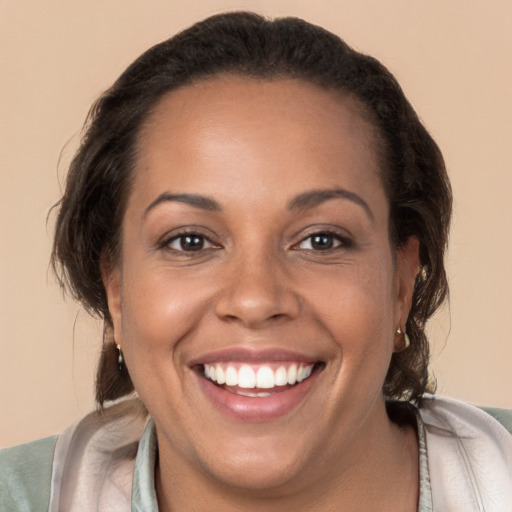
(258, 292)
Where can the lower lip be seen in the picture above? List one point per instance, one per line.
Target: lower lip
(257, 409)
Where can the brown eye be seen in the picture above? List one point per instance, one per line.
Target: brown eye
(323, 241)
(189, 242)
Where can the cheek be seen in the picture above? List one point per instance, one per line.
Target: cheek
(158, 312)
(356, 307)
(359, 296)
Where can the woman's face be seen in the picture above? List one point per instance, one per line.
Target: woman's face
(257, 295)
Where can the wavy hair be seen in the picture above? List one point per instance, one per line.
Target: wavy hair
(98, 183)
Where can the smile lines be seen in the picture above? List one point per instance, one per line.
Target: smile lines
(264, 376)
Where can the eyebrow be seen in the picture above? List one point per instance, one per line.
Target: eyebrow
(303, 201)
(314, 198)
(195, 200)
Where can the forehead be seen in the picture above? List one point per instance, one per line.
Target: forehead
(259, 132)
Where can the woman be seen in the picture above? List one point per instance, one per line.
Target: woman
(260, 218)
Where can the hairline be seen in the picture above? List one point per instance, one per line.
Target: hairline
(375, 139)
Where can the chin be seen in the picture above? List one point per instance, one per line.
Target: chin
(264, 468)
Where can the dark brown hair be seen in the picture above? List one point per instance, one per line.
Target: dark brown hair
(91, 210)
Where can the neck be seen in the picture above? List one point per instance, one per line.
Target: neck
(378, 472)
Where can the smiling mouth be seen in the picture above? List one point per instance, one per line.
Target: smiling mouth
(258, 380)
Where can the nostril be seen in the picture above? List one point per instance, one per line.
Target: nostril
(256, 301)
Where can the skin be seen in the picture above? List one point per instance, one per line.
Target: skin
(253, 146)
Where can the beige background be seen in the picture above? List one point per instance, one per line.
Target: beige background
(453, 59)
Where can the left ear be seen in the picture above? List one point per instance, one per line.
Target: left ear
(407, 268)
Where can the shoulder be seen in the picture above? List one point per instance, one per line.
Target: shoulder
(90, 464)
(504, 416)
(25, 475)
(469, 453)
(462, 418)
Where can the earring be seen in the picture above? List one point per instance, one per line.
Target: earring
(120, 359)
(406, 342)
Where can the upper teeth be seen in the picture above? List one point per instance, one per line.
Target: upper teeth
(250, 376)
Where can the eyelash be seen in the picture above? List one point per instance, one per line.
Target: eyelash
(337, 242)
(179, 237)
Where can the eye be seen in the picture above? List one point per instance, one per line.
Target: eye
(322, 242)
(189, 242)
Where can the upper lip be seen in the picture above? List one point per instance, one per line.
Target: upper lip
(241, 354)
